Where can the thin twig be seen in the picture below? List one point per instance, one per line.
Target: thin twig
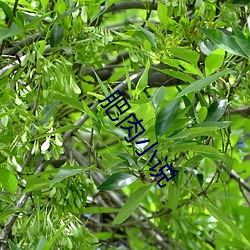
(37, 97)
(15, 7)
(164, 239)
(204, 192)
(148, 14)
(244, 195)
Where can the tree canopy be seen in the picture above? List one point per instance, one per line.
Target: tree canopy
(124, 124)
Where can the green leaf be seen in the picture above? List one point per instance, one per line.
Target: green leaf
(70, 101)
(107, 236)
(197, 85)
(44, 3)
(244, 45)
(49, 244)
(132, 203)
(117, 181)
(241, 40)
(36, 21)
(8, 180)
(177, 74)
(223, 41)
(34, 183)
(13, 246)
(186, 54)
(219, 125)
(127, 77)
(173, 196)
(162, 12)
(207, 46)
(9, 32)
(60, 7)
(166, 117)
(147, 35)
(182, 146)
(214, 61)
(88, 111)
(202, 114)
(245, 2)
(204, 150)
(56, 35)
(158, 97)
(188, 104)
(202, 100)
(193, 132)
(189, 68)
(56, 131)
(66, 172)
(194, 161)
(143, 81)
(216, 110)
(49, 110)
(108, 3)
(104, 89)
(41, 243)
(9, 211)
(238, 33)
(7, 10)
(98, 210)
(198, 175)
(227, 223)
(19, 21)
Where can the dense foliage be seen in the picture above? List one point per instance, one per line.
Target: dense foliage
(69, 179)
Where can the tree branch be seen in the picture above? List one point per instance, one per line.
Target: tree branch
(236, 177)
(21, 44)
(243, 111)
(16, 63)
(156, 78)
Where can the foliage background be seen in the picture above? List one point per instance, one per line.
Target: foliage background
(68, 179)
